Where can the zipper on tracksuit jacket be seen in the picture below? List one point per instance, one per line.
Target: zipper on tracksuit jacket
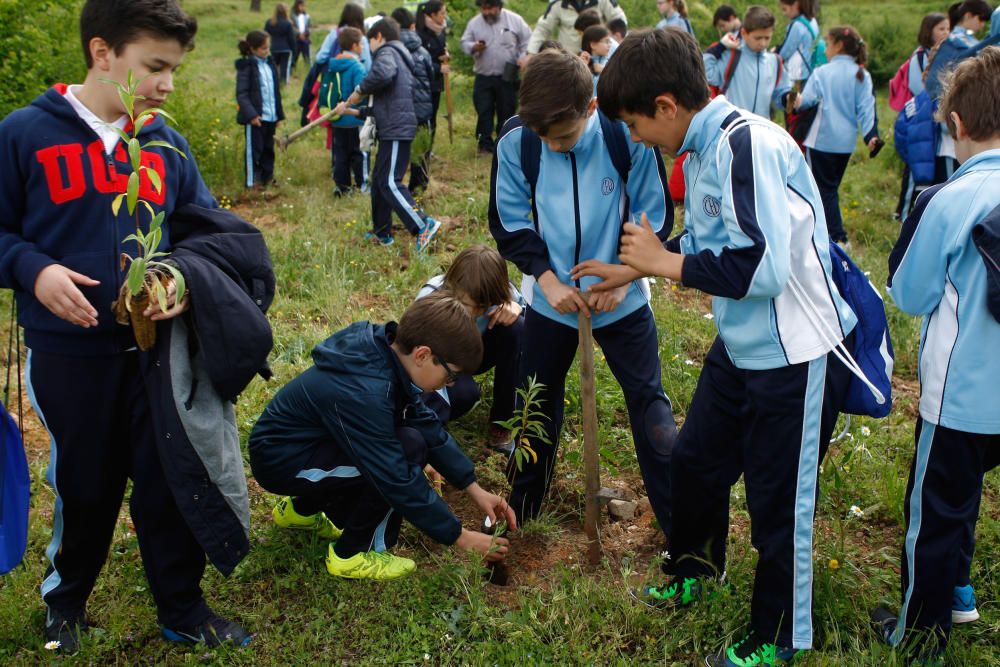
(576, 214)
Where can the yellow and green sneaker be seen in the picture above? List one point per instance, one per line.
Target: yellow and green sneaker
(285, 516)
(368, 565)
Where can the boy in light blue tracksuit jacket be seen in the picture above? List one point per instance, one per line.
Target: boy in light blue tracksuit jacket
(936, 271)
(749, 76)
(769, 392)
(570, 217)
(842, 89)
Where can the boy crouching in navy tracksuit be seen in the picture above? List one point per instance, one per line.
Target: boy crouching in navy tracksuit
(391, 81)
(349, 438)
(936, 271)
(766, 400)
(62, 162)
(573, 213)
(478, 278)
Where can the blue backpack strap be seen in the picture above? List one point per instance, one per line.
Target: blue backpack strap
(531, 159)
(617, 142)
(618, 147)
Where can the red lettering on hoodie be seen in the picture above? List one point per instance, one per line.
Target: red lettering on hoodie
(104, 174)
(69, 155)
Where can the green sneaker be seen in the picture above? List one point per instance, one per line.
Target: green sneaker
(285, 516)
(678, 593)
(751, 651)
(380, 566)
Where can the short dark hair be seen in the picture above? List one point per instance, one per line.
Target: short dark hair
(442, 323)
(587, 18)
(650, 63)
(489, 3)
(386, 28)
(594, 33)
(559, 72)
(757, 18)
(404, 17)
(551, 45)
(481, 273)
(348, 36)
(723, 13)
(121, 22)
(618, 26)
(973, 92)
(926, 35)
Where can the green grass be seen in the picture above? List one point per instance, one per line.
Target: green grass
(555, 611)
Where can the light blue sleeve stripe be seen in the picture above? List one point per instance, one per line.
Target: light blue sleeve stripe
(922, 456)
(318, 474)
(805, 505)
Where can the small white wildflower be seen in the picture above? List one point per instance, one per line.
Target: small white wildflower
(865, 431)
(52, 646)
(857, 511)
(709, 316)
(665, 555)
(688, 362)
(427, 657)
(652, 281)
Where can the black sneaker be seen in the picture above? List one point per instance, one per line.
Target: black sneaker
(212, 632)
(64, 630)
(885, 622)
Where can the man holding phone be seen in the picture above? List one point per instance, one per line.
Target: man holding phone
(497, 40)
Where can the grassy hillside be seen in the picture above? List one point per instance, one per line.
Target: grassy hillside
(554, 610)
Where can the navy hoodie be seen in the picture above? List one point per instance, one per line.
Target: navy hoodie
(56, 189)
(353, 398)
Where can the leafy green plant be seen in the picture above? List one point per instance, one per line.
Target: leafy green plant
(148, 275)
(527, 422)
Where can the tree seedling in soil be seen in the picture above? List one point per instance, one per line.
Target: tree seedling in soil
(149, 278)
(527, 422)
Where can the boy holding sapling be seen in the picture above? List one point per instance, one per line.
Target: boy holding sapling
(346, 442)
(62, 162)
(768, 395)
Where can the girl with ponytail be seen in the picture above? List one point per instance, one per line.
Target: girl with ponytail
(842, 91)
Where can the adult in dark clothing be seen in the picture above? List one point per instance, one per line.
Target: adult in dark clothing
(423, 80)
(431, 20)
(497, 40)
(282, 33)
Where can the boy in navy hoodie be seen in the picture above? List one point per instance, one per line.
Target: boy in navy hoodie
(767, 398)
(936, 271)
(347, 441)
(60, 167)
(587, 176)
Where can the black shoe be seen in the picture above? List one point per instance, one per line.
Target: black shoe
(213, 631)
(485, 150)
(65, 628)
(885, 623)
